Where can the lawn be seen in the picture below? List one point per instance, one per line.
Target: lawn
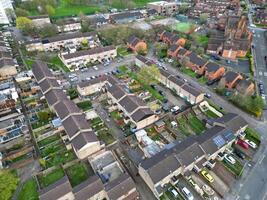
(96, 121)
(183, 126)
(39, 124)
(201, 40)
(122, 51)
(123, 69)
(29, 191)
(105, 136)
(197, 126)
(58, 64)
(66, 9)
(188, 72)
(77, 173)
(50, 178)
(236, 169)
(210, 114)
(85, 105)
(253, 135)
(49, 140)
(53, 148)
(115, 115)
(60, 158)
(184, 27)
(202, 80)
(29, 63)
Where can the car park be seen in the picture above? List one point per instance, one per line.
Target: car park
(230, 159)
(251, 144)
(187, 193)
(207, 176)
(242, 143)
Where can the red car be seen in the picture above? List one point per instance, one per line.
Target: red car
(243, 144)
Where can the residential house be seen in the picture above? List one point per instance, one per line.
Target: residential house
(164, 7)
(125, 17)
(77, 129)
(91, 86)
(98, 20)
(62, 41)
(245, 87)
(59, 190)
(83, 57)
(191, 153)
(40, 20)
(214, 71)
(187, 92)
(171, 38)
(230, 79)
(142, 61)
(173, 50)
(136, 45)
(133, 108)
(68, 25)
(233, 38)
(196, 63)
(181, 53)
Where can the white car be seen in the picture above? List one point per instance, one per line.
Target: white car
(251, 144)
(187, 193)
(230, 159)
(173, 192)
(95, 67)
(175, 108)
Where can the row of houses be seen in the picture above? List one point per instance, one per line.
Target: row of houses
(119, 186)
(193, 153)
(183, 89)
(8, 67)
(79, 133)
(110, 181)
(63, 41)
(133, 108)
(98, 54)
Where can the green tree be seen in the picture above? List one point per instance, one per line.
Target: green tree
(148, 74)
(183, 9)
(200, 50)
(25, 24)
(50, 10)
(8, 184)
(161, 49)
(84, 42)
(21, 12)
(47, 30)
(203, 18)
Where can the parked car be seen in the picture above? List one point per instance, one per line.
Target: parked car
(175, 109)
(95, 67)
(230, 159)
(251, 144)
(207, 176)
(173, 192)
(207, 95)
(221, 156)
(242, 143)
(239, 154)
(187, 193)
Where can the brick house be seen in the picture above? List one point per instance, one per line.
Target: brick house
(135, 44)
(171, 38)
(245, 87)
(214, 71)
(196, 63)
(230, 79)
(173, 50)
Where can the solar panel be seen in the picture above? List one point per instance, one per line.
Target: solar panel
(219, 141)
(229, 136)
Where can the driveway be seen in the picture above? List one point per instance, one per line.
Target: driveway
(225, 175)
(184, 183)
(218, 185)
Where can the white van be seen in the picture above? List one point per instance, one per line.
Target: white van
(187, 193)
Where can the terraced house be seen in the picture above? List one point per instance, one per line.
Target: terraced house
(62, 41)
(192, 153)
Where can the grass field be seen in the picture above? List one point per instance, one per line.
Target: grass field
(77, 173)
(201, 40)
(197, 126)
(85, 105)
(29, 191)
(252, 135)
(183, 27)
(51, 178)
(211, 114)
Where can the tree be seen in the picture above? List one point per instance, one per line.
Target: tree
(148, 74)
(200, 50)
(8, 184)
(185, 61)
(161, 49)
(84, 42)
(47, 30)
(203, 18)
(183, 9)
(25, 24)
(21, 12)
(50, 10)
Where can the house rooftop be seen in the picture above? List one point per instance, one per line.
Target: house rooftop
(83, 139)
(230, 76)
(40, 70)
(65, 108)
(212, 67)
(56, 190)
